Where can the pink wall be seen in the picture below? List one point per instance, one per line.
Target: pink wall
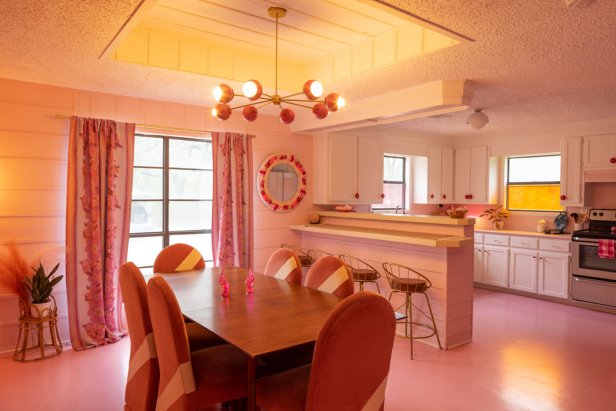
(33, 160)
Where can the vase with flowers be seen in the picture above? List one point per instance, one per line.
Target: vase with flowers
(497, 216)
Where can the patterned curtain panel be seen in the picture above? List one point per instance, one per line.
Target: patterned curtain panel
(100, 170)
(232, 227)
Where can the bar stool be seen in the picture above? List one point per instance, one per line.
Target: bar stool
(407, 281)
(362, 271)
(303, 254)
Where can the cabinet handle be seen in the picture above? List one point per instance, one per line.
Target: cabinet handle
(563, 197)
(444, 195)
(466, 196)
(613, 160)
(534, 257)
(356, 195)
(431, 195)
(382, 195)
(470, 196)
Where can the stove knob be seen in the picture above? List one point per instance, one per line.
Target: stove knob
(594, 213)
(600, 214)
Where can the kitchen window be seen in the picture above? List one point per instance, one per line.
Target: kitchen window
(394, 183)
(171, 198)
(533, 183)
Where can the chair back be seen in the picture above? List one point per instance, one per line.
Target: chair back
(284, 265)
(405, 279)
(176, 387)
(352, 356)
(360, 268)
(329, 274)
(178, 257)
(142, 381)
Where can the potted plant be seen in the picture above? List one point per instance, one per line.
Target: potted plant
(497, 216)
(40, 287)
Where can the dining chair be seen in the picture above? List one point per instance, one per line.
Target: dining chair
(142, 381)
(362, 271)
(407, 281)
(284, 264)
(342, 376)
(190, 380)
(331, 275)
(177, 258)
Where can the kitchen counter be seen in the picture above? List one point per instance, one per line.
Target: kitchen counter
(402, 218)
(564, 237)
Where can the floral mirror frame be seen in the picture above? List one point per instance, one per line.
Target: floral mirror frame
(263, 180)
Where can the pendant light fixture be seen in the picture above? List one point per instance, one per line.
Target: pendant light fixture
(253, 91)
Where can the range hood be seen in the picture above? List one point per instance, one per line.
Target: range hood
(435, 98)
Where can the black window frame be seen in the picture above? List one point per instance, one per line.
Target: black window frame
(526, 183)
(166, 233)
(401, 182)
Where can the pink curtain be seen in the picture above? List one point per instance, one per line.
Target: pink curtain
(99, 186)
(232, 228)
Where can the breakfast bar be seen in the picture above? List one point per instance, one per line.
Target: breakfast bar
(439, 247)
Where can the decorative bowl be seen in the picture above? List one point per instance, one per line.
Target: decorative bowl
(459, 212)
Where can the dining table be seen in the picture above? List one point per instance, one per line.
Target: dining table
(276, 316)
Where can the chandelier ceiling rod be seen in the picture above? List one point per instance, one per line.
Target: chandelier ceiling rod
(253, 91)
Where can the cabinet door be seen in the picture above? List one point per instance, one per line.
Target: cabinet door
(369, 170)
(435, 172)
(496, 265)
(342, 179)
(553, 274)
(447, 175)
(600, 151)
(479, 175)
(523, 270)
(462, 175)
(571, 171)
(478, 264)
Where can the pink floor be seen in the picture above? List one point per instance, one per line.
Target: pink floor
(527, 354)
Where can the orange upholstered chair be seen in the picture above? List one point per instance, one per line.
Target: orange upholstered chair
(284, 265)
(190, 380)
(142, 381)
(178, 257)
(342, 375)
(329, 274)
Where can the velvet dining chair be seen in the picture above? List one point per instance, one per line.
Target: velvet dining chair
(177, 258)
(143, 375)
(190, 380)
(350, 365)
(331, 275)
(284, 265)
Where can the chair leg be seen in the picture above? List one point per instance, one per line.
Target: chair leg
(409, 302)
(378, 289)
(361, 286)
(438, 340)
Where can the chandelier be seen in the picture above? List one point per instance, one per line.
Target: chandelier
(253, 91)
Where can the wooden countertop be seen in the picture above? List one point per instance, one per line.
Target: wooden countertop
(404, 218)
(406, 237)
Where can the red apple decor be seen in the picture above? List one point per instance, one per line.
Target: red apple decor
(287, 116)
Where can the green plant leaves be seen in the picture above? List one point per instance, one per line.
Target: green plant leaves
(41, 285)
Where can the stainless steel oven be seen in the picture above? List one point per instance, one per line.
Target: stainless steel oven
(593, 279)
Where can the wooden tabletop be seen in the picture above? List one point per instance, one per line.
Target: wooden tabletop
(278, 315)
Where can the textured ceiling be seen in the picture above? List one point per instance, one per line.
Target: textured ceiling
(534, 63)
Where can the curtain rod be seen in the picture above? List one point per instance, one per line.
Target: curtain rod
(153, 127)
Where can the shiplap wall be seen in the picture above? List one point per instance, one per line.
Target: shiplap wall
(33, 165)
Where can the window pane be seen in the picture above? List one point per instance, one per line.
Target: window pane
(202, 242)
(190, 154)
(190, 215)
(147, 184)
(143, 250)
(545, 197)
(393, 169)
(146, 216)
(148, 151)
(534, 169)
(190, 184)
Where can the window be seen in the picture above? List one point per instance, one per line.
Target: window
(394, 183)
(172, 196)
(533, 183)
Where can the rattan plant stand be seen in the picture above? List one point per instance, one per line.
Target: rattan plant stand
(32, 343)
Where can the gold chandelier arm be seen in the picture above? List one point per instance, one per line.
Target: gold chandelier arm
(252, 103)
(295, 104)
(300, 99)
(293, 95)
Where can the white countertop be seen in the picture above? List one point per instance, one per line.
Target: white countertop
(564, 237)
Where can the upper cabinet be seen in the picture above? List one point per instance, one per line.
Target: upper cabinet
(475, 176)
(440, 175)
(600, 151)
(571, 171)
(348, 169)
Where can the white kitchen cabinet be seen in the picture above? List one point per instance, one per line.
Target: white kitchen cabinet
(523, 270)
(496, 265)
(475, 176)
(553, 274)
(478, 263)
(348, 169)
(440, 175)
(571, 171)
(600, 151)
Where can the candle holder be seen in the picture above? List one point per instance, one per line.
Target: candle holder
(224, 284)
(250, 280)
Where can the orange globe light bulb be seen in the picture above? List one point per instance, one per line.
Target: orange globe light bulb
(221, 111)
(320, 111)
(331, 101)
(287, 116)
(223, 93)
(250, 113)
(313, 89)
(252, 90)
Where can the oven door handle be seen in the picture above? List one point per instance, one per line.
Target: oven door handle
(585, 240)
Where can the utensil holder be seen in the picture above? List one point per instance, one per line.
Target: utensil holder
(578, 226)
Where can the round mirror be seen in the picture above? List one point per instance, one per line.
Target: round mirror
(281, 182)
